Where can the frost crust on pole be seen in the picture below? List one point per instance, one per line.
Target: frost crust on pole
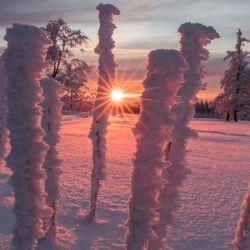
(24, 59)
(106, 78)
(51, 123)
(3, 111)
(194, 37)
(153, 130)
(242, 233)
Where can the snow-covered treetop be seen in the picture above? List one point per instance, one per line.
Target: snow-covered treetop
(240, 40)
(162, 66)
(238, 58)
(165, 59)
(193, 39)
(106, 12)
(198, 30)
(28, 35)
(234, 98)
(201, 34)
(51, 87)
(108, 9)
(164, 74)
(237, 72)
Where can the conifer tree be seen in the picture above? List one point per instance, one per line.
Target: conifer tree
(233, 101)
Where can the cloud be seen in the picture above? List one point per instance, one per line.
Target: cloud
(150, 44)
(215, 64)
(142, 26)
(38, 12)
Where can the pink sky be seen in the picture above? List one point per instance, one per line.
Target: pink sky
(142, 26)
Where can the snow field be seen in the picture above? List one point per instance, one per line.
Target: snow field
(210, 197)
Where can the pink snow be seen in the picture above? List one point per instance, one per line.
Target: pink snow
(211, 197)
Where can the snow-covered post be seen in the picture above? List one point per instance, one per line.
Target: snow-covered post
(164, 76)
(24, 59)
(3, 111)
(51, 122)
(106, 78)
(194, 38)
(242, 233)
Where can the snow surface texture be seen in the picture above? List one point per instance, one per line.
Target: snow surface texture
(242, 234)
(24, 60)
(3, 111)
(194, 37)
(51, 121)
(164, 76)
(106, 78)
(210, 198)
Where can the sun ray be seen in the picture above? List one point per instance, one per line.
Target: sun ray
(149, 100)
(103, 111)
(127, 107)
(101, 105)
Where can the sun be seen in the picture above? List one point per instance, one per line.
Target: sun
(117, 95)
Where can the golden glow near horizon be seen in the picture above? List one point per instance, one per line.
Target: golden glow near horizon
(117, 95)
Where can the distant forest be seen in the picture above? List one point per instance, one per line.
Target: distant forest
(203, 109)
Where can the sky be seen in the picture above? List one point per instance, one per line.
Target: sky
(143, 25)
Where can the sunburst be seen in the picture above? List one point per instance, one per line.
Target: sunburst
(116, 95)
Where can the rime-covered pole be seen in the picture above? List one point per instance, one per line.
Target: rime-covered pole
(194, 37)
(106, 78)
(242, 233)
(164, 76)
(51, 122)
(24, 59)
(3, 111)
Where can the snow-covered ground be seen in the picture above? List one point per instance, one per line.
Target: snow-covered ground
(210, 198)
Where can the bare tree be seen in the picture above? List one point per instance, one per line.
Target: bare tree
(63, 40)
(74, 78)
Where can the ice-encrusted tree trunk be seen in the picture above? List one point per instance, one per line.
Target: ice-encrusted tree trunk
(24, 59)
(242, 233)
(194, 38)
(164, 76)
(3, 111)
(106, 78)
(51, 122)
